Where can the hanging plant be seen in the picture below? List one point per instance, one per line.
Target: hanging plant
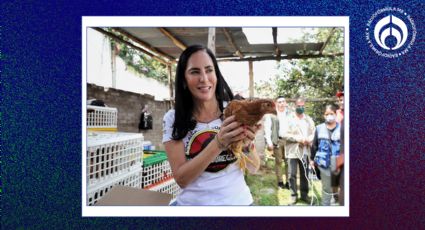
(138, 61)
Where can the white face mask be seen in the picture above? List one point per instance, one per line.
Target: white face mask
(330, 118)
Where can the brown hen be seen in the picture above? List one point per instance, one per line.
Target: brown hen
(247, 113)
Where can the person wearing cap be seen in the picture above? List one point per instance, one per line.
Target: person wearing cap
(274, 128)
(340, 111)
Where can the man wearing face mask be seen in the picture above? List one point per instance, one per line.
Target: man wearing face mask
(299, 137)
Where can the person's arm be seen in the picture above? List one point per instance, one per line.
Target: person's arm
(292, 135)
(314, 146)
(311, 130)
(340, 158)
(185, 172)
(268, 131)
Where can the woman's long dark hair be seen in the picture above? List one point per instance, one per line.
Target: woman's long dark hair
(184, 105)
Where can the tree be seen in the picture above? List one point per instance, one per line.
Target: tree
(314, 77)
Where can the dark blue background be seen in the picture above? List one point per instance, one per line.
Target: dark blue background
(41, 115)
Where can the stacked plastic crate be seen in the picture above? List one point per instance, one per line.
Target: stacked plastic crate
(157, 174)
(101, 118)
(113, 158)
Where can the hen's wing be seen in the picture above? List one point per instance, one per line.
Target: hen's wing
(231, 108)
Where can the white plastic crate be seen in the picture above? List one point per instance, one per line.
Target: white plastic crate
(102, 118)
(170, 187)
(155, 172)
(97, 191)
(112, 153)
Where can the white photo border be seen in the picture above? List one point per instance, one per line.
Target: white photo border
(216, 211)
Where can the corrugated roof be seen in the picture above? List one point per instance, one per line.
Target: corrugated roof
(224, 48)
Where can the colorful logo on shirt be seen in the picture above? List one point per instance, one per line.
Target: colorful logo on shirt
(199, 141)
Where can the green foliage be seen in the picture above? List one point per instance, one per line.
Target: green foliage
(311, 78)
(143, 64)
(264, 89)
(140, 62)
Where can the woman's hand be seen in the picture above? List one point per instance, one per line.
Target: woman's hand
(230, 131)
(250, 132)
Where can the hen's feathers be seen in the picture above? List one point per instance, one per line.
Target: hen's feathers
(247, 113)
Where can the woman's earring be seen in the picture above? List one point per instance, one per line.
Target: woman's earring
(184, 85)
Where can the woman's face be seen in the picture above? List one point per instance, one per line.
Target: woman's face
(200, 76)
(330, 116)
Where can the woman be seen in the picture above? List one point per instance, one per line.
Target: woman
(326, 143)
(196, 138)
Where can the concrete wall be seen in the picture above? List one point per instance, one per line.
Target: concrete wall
(130, 107)
(99, 70)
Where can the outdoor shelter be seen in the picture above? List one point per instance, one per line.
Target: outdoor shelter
(228, 43)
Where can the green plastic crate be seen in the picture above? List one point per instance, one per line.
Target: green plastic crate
(156, 169)
(156, 158)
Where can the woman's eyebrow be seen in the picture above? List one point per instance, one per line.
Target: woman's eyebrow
(196, 68)
(193, 68)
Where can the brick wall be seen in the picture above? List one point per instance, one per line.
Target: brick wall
(130, 107)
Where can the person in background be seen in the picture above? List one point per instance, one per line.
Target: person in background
(196, 138)
(339, 119)
(340, 111)
(298, 137)
(340, 166)
(326, 143)
(275, 127)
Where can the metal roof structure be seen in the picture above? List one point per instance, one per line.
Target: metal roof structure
(231, 44)
(228, 43)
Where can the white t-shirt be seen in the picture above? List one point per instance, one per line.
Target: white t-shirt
(283, 122)
(222, 183)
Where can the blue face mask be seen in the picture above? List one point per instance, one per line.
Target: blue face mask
(299, 110)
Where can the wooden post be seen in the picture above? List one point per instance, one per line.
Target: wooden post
(251, 80)
(170, 81)
(278, 52)
(211, 39)
(114, 66)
